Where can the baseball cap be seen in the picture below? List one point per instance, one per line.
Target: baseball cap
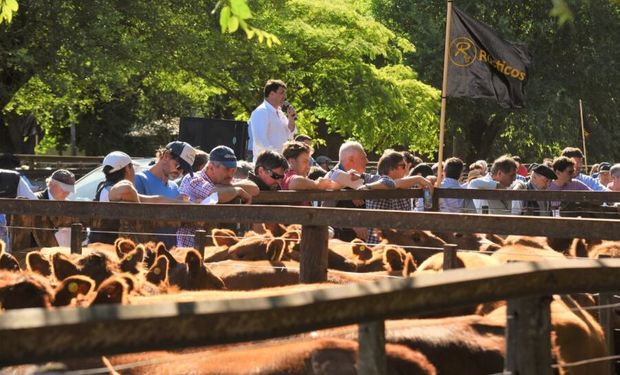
(185, 154)
(224, 155)
(64, 179)
(117, 160)
(604, 167)
(543, 170)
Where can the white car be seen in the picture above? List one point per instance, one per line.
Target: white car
(86, 187)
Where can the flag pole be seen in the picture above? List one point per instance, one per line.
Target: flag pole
(583, 136)
(444, 90)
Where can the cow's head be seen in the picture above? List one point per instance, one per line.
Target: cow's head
(199, 276)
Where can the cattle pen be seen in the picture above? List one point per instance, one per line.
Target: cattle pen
(101, 330)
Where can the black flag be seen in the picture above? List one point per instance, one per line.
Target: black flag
(483, 65)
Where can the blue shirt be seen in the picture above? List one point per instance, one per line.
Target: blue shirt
(590, 182)
(450, 204)
(147, 183)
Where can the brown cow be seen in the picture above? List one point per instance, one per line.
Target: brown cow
(414, 242)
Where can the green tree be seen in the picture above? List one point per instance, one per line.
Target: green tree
(577, 60)
(113, 67)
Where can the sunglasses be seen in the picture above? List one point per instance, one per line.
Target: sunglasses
(178, 163)
(274, 175)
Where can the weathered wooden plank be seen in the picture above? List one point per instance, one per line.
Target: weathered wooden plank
(449, 256)
(110, 329)
(528, 336)
(76, 238)
(313, 254)
(323, 195)
(371, 357)
(340, 217)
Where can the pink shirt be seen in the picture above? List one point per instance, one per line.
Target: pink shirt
(288, 176)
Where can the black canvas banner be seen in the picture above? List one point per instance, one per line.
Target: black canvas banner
(483, 65)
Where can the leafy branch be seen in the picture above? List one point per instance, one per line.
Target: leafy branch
(7, 8)
(234, 14)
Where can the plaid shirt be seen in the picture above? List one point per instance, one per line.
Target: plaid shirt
(197, 188)
(401, 204)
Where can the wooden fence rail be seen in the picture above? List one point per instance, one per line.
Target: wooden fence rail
(37, 335)
(340, 217)
(594, 197)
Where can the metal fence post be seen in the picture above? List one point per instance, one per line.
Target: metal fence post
(200, 240)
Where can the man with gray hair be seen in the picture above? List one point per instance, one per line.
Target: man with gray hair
(350, 173)
(502, 175)
(59, 185)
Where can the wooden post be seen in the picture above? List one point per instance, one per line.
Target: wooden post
(371, 354)
(76, 238)
(605, 318)
(313, 257)
(200, 240)
(435, 198)
(528, 336)
(449, 256)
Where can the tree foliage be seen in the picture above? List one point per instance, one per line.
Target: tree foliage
(112, 67)
(578, 60)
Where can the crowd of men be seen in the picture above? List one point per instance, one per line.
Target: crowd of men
(283, 160)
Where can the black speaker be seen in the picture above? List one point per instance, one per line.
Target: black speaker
(209, 133)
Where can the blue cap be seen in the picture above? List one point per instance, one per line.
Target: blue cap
(224, 155)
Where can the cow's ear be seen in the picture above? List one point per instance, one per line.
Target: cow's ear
(394, 259)
(162, 251)
(193, 259)
(158, 272)
(224, 237)
(123, 246)
(63, 266)
(409, 265)
(112, 290)
(131, 260)
(275, 229)
(359, 248)
(275, 249)
(71, 287)
(36, 262)
(292, 238)
(8, 262)
(2, 247)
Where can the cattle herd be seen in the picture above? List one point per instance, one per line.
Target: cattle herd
(470, 340)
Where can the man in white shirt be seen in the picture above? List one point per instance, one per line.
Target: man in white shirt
(502, 175)
(270, 128)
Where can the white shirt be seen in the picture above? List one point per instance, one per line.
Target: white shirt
(269, 129)
(23, 190)
(485, 182)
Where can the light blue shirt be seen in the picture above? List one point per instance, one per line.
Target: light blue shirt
(450, 204)
(590, 182)
(147, 183)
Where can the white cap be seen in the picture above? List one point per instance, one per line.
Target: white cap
(117, 160)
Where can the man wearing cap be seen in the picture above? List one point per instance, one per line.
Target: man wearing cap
(215, 181)
(176, 158)
(59, 185)
(604, 178)
(540, 178)
(270, 128)
(171, 161)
